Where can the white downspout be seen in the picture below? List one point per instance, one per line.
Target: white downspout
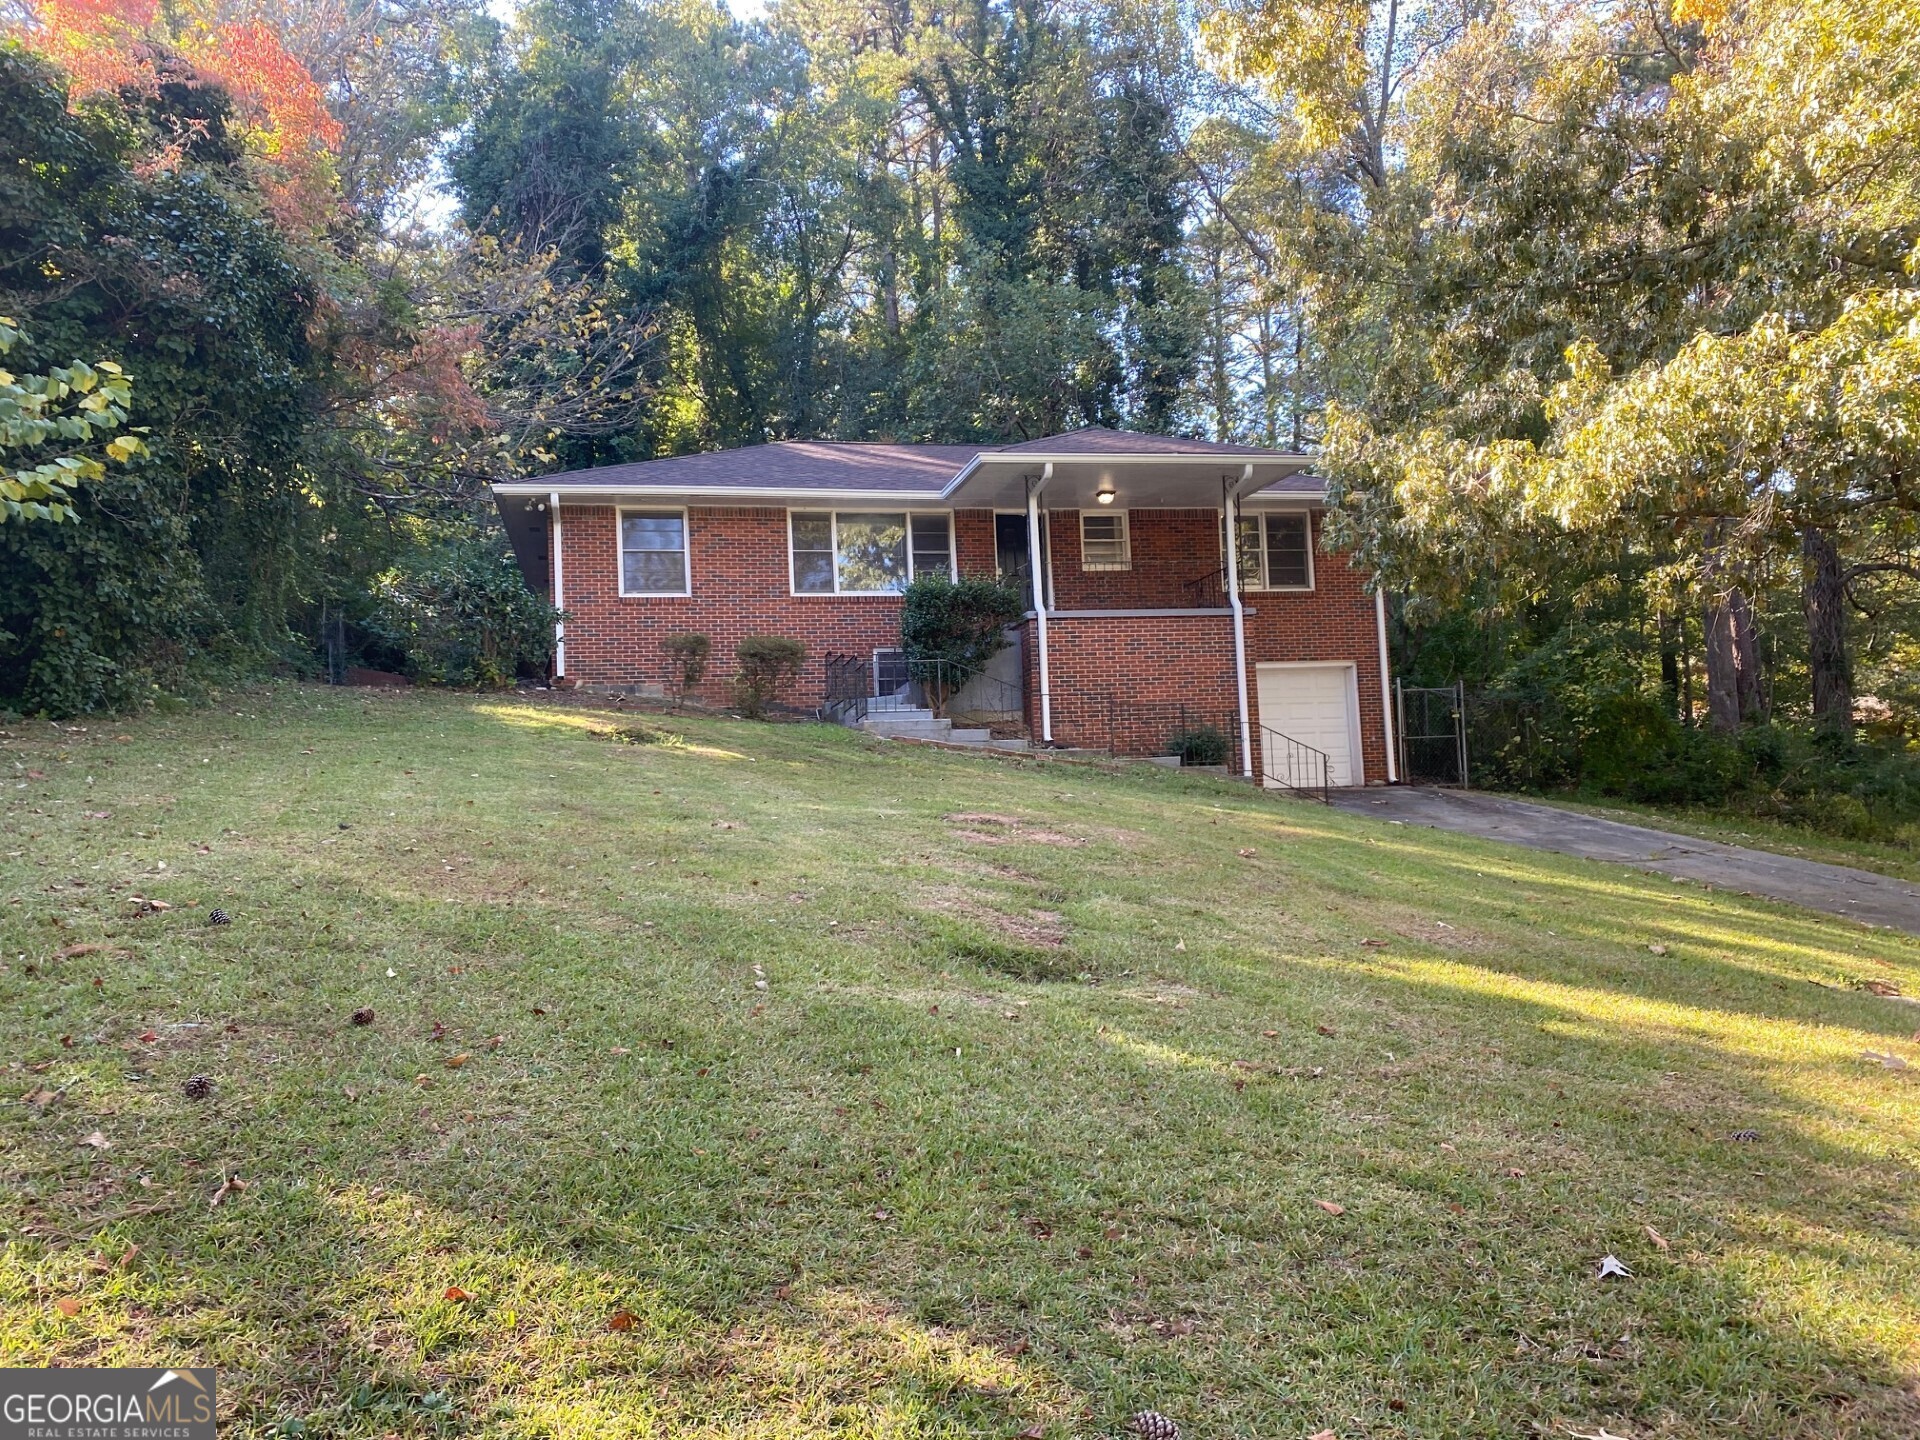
(559, 589)
(1038, 566)
(1386, 690)
(1239, 615)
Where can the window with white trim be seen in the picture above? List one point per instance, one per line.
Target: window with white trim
(1276, 551)
(1103, 540)
(866, 552)
(653, 552)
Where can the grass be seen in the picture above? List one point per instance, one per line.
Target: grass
(1729, 828)
(819, 1087)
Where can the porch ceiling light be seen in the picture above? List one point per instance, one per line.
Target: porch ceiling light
(1105, 493)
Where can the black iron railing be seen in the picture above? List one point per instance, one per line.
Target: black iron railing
(966, 694)
(1295, 766)
(849, 689)
(859, 686)
(1208, 591)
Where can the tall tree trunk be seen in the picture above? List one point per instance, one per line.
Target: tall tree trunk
(1670, 663)
(1723, 679)
(1823, 595)
(1734, 692)
(1746, 656)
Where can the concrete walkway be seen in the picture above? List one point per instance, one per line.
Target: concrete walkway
(1835, 889)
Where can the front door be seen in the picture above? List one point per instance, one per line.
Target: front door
(1317, 705)
(1010, 550)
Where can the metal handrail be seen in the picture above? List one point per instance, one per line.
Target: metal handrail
(1295, 766)
(849, 691)
(1208, 591)
(940, 680)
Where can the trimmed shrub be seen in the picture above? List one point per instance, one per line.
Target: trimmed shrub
(689, 655)
(1202, 745)
(766, 663)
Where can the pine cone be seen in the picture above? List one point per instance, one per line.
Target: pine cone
(197, 1087)
(219, 917)
(1152, 1425)
(363, 1016)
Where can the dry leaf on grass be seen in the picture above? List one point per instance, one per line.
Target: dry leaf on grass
(67, 1306)
(620, 1320)
(1331, 1207)
(229, 1187)
(1656, 1237)
(97, 1140)
(454, 1062)
(456, 1295)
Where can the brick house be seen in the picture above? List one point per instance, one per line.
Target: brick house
(1182, 585)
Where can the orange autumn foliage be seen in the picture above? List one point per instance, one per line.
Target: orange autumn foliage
(280, 113)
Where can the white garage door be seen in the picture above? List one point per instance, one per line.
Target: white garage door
(1316, 705)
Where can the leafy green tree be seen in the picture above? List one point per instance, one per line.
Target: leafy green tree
(67, 409)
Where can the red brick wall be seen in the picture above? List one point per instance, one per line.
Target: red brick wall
(1170, 548)
(737, 558)
(1129, 681)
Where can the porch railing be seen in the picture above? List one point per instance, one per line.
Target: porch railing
(1208, 591)
(858, 686)
(849, 689)
(1295, 766)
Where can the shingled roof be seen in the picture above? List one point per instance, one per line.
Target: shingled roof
(862, 466)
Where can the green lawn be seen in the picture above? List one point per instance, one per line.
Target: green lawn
(814, 1086)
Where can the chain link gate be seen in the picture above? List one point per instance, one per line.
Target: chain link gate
(1433, 733)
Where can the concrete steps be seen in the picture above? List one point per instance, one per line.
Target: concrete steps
(919, 723)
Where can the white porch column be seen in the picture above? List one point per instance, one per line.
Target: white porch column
(1037, 564)
(1386, 690)
(1231, 509)
(559, 588)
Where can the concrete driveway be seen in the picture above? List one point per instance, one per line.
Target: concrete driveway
(1835, 889)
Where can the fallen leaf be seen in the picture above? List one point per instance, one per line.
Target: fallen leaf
(1656, 1237)
(1658, 949)
(1247, 854)
(620, 1320)
(147, 1037)
(619, 1050)
(229, 1187)
(36, 774)
(1611, 1266)
(1033, 1432)
(1891, 1061)
(40, 1097)
(1882, 987)
(128, 1256)
(97, 1140)
(67, 1306)
(455, 1294)
(454, 1062)
(1324, 1029)
(1269, 1034)
(1375, 944)
(1323, 1435)
(1331, 1207)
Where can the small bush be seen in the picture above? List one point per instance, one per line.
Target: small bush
(766, 663)
(1202, 745)
(689, 655)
